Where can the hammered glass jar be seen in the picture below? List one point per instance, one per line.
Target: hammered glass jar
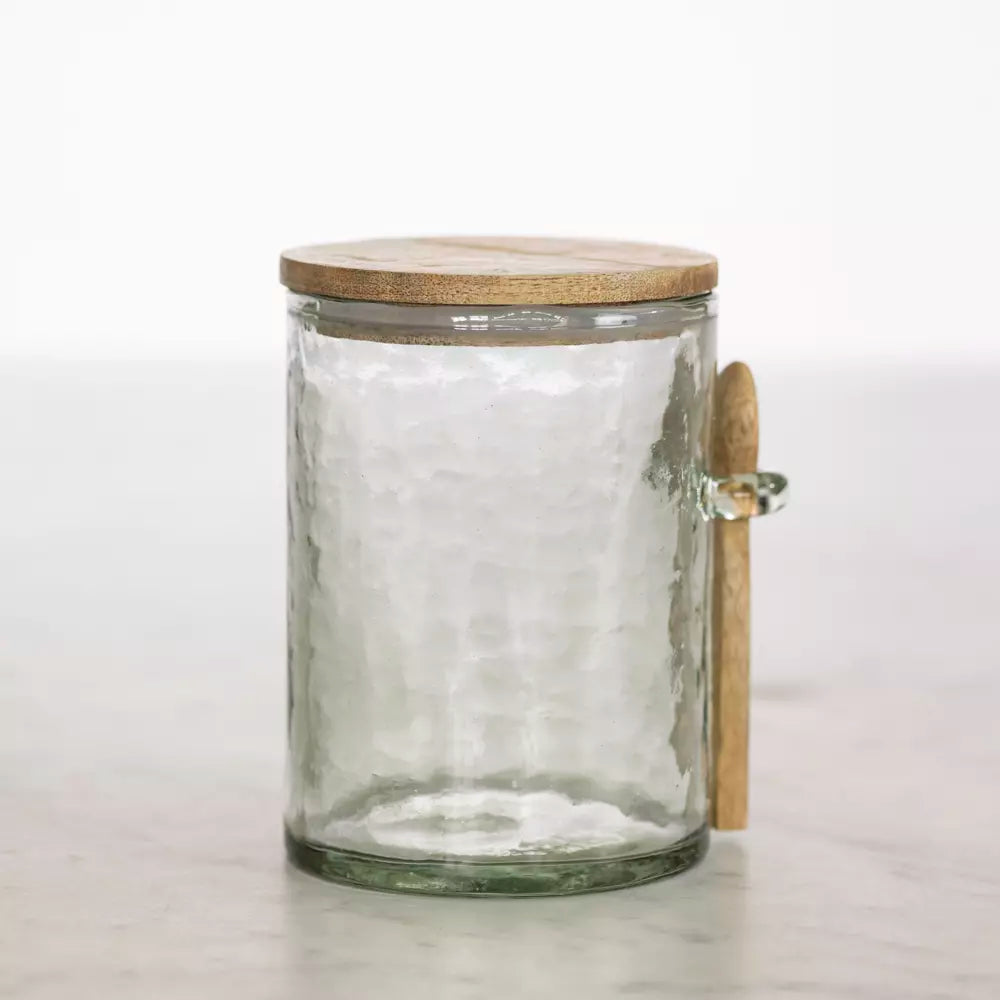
(499, 560)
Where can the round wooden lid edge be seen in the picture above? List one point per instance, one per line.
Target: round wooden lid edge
(498, 271)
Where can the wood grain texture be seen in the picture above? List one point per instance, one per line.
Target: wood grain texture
(499, 270)
(734, 450)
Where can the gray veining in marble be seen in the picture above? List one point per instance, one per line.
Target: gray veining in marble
(142, 705)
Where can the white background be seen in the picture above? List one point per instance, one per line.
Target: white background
(841, 159)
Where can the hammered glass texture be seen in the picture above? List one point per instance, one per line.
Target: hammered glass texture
(497, 594)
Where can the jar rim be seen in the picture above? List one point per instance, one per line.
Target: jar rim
(500, 325)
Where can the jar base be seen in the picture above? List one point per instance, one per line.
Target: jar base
(493, 878)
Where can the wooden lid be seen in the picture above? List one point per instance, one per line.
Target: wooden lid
(501, 270)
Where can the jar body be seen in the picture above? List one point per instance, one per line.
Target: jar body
(498, 589)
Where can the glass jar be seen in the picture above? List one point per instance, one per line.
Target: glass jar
(498, 593)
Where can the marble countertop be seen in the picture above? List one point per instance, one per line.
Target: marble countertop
(141, 716)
